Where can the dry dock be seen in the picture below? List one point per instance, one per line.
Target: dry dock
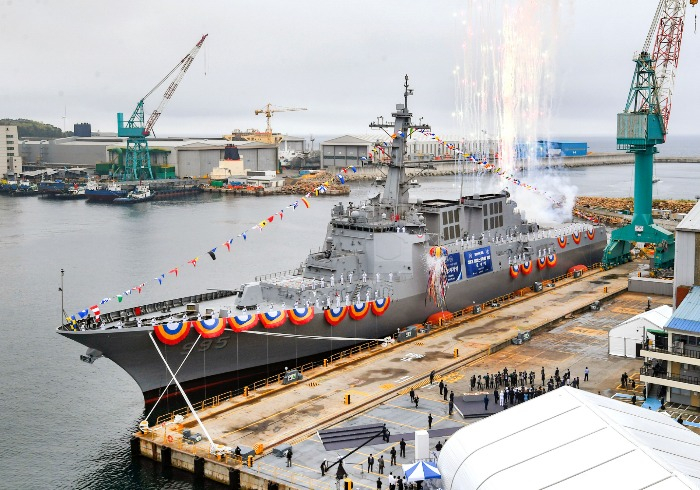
(567, 335)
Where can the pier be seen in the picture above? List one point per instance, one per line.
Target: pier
(369, 387)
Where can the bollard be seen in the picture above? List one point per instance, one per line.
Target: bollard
(456, 352)
(347, 399)
(250, 461)
(347, 484)
(135, 446)
(605, 289)
(234, 478)
(325, 363)
(166, 456)
(198, 467)
(639, 274)
(245, 391)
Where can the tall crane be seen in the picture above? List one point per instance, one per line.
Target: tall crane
(643, 125)
(137, 163)
(268, 110)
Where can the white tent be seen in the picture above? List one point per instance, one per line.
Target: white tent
(570, 438)
(623, 339)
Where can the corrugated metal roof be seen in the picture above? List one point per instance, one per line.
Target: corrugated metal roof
(351, 140)
(592, 438)
(687, 315)
(692, 221)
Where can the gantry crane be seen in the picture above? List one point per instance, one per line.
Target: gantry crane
(137, 163)
(643, 125)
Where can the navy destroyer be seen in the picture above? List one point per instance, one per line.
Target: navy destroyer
(370, 278)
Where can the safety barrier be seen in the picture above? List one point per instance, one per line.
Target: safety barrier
(217, 400)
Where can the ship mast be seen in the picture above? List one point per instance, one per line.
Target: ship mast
(395, 197)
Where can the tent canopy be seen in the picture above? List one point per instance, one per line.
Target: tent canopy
(422, 470)
(595, 436)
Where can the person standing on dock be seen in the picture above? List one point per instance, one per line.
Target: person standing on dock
(370, 463)
(444, 393)
(543, 376)
(392, 461)
(452, 396)
(430, 421)
(323, 467)
(486, 402)
(379, 483)
(380, 462)
(441, 386)
(416, 400)
(289, 457)
(402, 448)
(450, 407)
(412, 394)
(585, 374)
(432, 376)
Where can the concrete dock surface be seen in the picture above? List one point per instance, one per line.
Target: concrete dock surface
(567, 335)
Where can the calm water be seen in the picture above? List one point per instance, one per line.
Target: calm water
(67, 424)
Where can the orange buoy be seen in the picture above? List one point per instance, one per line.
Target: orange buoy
(579, 267)
(440, 315)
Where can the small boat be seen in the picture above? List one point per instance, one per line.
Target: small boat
(25, 188)
(72, 193)
(141, 193)
(96, 193)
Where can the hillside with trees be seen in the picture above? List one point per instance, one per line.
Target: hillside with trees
(26, 128)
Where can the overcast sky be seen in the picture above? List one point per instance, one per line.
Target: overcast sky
(344, 61)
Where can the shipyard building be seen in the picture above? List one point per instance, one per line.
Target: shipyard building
(10, 158)
(170, 157)
(671, 368)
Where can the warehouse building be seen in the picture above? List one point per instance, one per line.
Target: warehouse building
(181, 157)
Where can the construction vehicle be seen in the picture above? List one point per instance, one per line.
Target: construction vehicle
(137, 162)
(642, 126)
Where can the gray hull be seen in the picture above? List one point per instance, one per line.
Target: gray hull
(133, 350)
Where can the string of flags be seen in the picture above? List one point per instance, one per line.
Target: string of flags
(490, 167)
(173, 272)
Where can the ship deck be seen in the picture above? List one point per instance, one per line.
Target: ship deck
(566, 334)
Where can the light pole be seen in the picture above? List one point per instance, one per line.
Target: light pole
(63, 310)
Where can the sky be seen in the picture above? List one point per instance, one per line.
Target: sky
(343, 61)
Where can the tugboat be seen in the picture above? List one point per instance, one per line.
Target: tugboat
(371, 277)
(141, 193)
(98, 193)
(71, 193)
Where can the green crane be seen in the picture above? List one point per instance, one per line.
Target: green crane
(642, 126)
(137, 163)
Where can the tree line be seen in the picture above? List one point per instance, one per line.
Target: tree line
(26, 128)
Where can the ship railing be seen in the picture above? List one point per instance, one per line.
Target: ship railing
(267, 383)
(297, 271)
(496, 302)
(128, 315)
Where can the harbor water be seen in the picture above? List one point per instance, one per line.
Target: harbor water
(68, 423)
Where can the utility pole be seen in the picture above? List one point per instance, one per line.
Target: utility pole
(63, 310)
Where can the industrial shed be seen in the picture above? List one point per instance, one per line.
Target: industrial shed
(627, 338)
(570, 438)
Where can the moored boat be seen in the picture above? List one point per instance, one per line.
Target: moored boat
(99, 193)
(141, 193)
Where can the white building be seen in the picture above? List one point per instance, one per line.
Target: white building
(672, 367)
(10, 159)
(627, 339)
(569, 438)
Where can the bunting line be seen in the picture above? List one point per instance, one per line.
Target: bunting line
(211, 252)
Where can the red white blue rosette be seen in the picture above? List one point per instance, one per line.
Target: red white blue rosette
(379, 306)
(241, 323)
(273, 318)
(210, 328)
(335, 315)
(359, 310)
(300, 316)
(172, 333)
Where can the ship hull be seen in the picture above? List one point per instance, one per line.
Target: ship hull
(103, 195)
(238, 358)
